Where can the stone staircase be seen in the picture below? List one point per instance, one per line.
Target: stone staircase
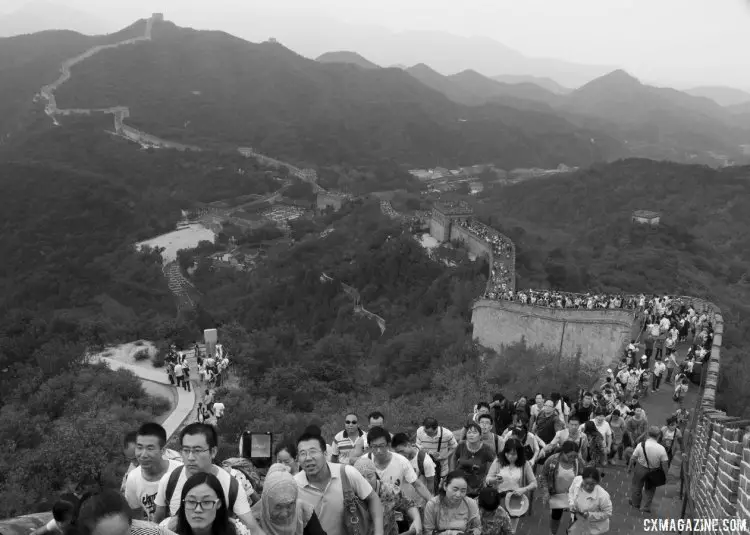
(179, 286)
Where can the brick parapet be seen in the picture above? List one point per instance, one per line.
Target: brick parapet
(719, 453)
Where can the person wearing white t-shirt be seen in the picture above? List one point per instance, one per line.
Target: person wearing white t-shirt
(142, 482)
(219, 409)
(199, 445)
(375, 419)
(422, 464)
(393, 468)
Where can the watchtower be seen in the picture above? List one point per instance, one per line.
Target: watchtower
(157, 17)
(443, 214)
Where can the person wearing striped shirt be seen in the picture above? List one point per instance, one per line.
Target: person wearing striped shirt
(343, 442)
(438, 442)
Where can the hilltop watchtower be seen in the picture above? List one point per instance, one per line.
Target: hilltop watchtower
(646, 217)
(443, 214)
(157, 17)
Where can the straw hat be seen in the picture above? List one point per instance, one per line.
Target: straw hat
(516, 504)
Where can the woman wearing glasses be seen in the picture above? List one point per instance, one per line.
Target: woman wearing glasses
(203, 510)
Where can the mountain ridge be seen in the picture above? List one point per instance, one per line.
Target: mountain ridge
(722, 95)
(278, 102)
(346, 56)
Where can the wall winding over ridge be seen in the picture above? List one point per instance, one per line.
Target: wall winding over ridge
(596, 333)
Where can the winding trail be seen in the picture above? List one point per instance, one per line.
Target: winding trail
(185, 400)
(358, 308)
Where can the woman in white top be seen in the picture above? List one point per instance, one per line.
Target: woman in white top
(511, 472)
(590, 504)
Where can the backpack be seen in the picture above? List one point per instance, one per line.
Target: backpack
(242, 468)
(234, 488)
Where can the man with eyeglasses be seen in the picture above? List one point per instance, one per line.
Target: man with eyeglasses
(393, 468)
(376, 419)
(343, 442)
(143, 482)
(199, 445)
(320, 485)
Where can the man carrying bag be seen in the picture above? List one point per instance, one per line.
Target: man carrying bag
(649, 465)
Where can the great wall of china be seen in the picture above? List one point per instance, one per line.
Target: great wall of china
(716, 469)
(715, 474)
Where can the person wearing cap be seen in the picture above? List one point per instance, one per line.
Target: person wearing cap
(590, 504)
(648, 456)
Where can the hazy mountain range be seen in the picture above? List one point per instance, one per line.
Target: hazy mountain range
(208, 87)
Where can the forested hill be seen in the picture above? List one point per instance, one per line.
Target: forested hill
(574, 232)
(207, 87)
(27, 62)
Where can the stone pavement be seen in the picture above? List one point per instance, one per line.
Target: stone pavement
(616, 481)
(627, 520)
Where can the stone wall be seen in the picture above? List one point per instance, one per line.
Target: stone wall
(474, 244)
(440, 227)
(598, 334)
(718, 464)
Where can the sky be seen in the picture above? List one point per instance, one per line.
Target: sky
(682, 43)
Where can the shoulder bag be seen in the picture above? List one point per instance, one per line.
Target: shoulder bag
(357, 520)
(656, 476)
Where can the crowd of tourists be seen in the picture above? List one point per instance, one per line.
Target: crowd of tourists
(501, 278)
(557, 299)
(480, 479)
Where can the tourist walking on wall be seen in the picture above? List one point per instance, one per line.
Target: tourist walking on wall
(590, 504)
(649, 457)
(671, 438)
(659, 369)
(671, 366)
(555, 479)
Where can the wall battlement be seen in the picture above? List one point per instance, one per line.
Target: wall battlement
(717, 470)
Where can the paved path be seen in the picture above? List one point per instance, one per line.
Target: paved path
(627, 520)
(185, 399)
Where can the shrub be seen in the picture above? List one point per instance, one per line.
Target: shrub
(141, 355)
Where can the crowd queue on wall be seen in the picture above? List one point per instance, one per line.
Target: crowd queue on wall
(501, 277)
(480, 479)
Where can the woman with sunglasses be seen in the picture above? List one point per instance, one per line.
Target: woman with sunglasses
(203, 510)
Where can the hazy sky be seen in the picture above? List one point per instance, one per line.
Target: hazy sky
(678, 42)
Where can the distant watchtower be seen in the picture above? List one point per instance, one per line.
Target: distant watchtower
(646, 217)
(157, 17)
(443, 214)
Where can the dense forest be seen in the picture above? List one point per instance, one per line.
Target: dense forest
(77, 201)
(301, 353)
